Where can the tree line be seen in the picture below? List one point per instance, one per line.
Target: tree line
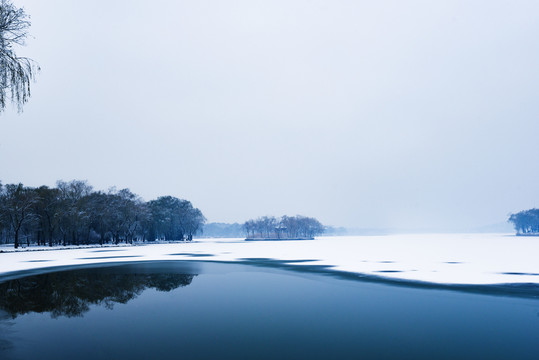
(290, 227)
(526, 222)
(73, 214)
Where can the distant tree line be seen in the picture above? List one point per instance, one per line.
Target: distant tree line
(223, 230)
(73, 214)
(526, 222)
(290, 227)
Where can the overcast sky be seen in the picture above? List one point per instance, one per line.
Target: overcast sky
(401, 114)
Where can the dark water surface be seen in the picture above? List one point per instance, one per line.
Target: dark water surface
(198, 310)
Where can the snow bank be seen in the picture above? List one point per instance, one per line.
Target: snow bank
(436, 258)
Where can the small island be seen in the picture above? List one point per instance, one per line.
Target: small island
(285, 228)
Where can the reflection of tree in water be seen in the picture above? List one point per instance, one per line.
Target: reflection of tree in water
(71, 293)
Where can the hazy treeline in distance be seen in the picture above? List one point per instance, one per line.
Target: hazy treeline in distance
(73, 214)
(223, 230)
(289, 227)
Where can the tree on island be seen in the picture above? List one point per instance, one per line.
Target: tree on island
(526, 222)
(16, 73)
(287, 227)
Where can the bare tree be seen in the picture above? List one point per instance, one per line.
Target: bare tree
(17, 205)
(16, 73)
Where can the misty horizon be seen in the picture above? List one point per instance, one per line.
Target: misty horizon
(385, 115)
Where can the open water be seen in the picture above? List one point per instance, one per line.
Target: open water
(200, 310)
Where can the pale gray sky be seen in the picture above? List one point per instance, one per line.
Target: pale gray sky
(409, 114)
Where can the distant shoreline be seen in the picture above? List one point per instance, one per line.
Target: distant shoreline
(279, 239)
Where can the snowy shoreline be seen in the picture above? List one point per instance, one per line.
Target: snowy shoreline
(449, 259)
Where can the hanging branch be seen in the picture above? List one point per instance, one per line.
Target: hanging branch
(16, 73)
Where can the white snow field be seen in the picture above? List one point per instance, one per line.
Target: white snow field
(434, 258)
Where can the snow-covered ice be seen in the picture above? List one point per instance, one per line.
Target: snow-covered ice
(435, 258)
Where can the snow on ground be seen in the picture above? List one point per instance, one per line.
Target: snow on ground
(436, 258)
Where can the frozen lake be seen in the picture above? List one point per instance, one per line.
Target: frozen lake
(466, 259)
(201, 310)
